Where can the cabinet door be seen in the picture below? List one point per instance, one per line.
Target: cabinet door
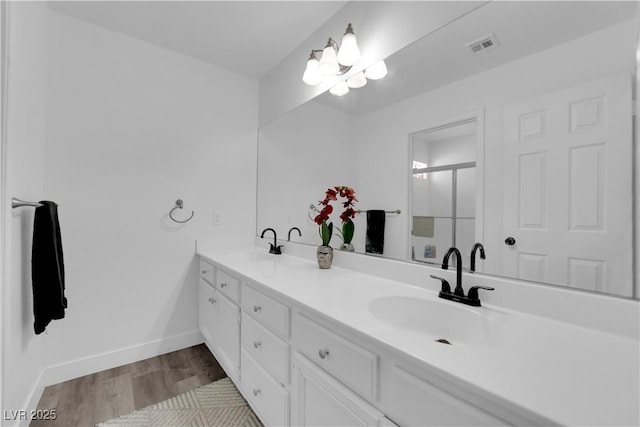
(227, 335)
(322, 401)
(206, 312)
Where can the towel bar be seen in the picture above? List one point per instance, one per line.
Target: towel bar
(397, 211)
(16, 203)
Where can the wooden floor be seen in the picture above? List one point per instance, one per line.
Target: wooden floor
(98, 397)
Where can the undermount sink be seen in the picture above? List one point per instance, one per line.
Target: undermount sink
(440, 320)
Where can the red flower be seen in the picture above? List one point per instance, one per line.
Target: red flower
(348, 213)
(331, 194)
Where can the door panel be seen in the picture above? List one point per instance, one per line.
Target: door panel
(567, 187)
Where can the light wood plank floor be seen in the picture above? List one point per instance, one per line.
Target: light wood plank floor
(98, 397)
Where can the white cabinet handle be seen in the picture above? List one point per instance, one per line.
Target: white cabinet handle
(223, 285)
(256, 391)
(212, 300)
(256, 344)
(323, 353)
(256, 308)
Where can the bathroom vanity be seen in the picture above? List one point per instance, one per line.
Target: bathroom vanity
(341, 347)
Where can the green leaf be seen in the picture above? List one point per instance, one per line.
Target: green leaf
(326, 230)
(348, 228)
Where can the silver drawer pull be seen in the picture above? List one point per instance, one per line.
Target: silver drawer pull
(212, 300)
(204, 272)
(223, 285)
(256, 391)
(323, 353)
(256, 308)
(256, 344)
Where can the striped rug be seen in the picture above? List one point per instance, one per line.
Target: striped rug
(215, 404)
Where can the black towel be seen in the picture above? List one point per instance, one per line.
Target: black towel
(47, 267)
(375, 232)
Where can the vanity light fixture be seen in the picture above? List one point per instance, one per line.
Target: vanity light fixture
(357, 81)
(340, 89)
(349, 52)
(376, 71)
(338, 60)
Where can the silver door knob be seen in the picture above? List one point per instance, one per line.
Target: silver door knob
(256, 344)
(323, 353)
(223, 285)
(256, 391)
(256, 308)
(212, 300)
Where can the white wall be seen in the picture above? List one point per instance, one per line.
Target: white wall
(321, 152)
(24, 162)
(382, 28)
(131, 128)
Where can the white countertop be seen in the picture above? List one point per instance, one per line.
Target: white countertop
(565, 373)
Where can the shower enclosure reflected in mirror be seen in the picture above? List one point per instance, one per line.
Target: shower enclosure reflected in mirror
(443, 190)
(553, 160)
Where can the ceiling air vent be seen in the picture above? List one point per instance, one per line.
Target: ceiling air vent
(484, 44)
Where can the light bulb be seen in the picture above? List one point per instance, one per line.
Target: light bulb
(340, 89)
(349, 52)
(376, 71)
(311, 74)
(357, 81)
(328, 65)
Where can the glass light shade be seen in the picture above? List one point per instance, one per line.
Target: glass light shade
(311, 74)
(328, 65)
(357, 81)
(349, 52)
(340, 89)
(376, 71)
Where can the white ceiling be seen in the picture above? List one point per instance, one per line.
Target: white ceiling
(521, 27)
(248, 37)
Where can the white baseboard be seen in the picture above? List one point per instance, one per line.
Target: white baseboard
(99, 362)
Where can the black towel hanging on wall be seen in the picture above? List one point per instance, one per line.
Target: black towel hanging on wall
(375, 231)
(47, 267)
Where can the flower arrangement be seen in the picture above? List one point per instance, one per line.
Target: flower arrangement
(326, 229)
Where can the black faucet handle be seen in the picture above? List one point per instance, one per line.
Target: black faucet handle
(275, 249)
(446, 289)
(473, 291)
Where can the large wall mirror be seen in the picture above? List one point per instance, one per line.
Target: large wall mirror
(525, 147)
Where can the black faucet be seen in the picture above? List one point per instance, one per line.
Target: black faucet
(290, 230)
(458, 293)
(274, 249)
(473, 255)
(445, 266)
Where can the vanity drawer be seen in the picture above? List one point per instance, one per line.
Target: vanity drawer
(207, 272)
(269, 350)
(354, 366)
(266, 310)
(267, 397)
(416, 401)
(228, 285)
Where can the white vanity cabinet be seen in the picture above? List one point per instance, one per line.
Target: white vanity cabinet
(265, 355)
(415, 401)
(226, 333)
(206, 300)
(206, 310)
(298, 367)
(320, 400)
(219, 317)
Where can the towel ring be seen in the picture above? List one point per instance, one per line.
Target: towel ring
(179, 205)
